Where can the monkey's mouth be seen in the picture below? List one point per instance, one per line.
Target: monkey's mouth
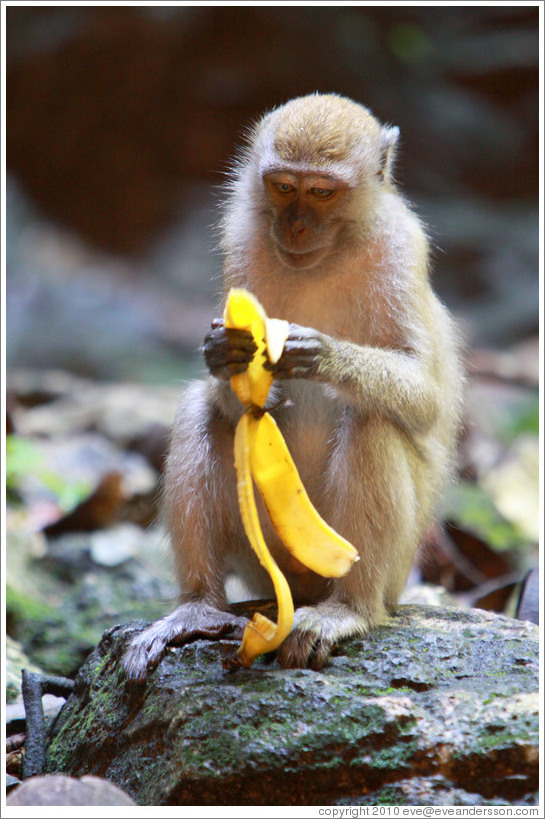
(299, 260)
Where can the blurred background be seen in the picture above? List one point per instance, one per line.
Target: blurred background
(121, 122)
(120, 125)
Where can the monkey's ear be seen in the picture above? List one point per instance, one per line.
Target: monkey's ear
(390, 136)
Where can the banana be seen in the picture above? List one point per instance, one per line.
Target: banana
(261, 634)
(276, 333)
(303, 532)
(244, 312)
(261, 452)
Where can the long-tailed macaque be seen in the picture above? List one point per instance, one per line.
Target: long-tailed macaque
(314, 226)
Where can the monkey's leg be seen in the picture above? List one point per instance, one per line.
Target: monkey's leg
(372, 483)
(200, 508)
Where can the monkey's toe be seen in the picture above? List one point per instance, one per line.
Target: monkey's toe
(303, 649)
(212, 630)
(142, 654)
(191, 621)
(321, 654)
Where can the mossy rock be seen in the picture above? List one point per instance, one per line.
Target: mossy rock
(437, 691)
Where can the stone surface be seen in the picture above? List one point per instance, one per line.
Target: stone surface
(428, 790)
(438, 696)
(64, 790)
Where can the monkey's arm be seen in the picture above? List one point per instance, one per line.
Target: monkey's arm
(392, 382)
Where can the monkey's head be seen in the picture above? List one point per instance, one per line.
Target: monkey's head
(315, 162)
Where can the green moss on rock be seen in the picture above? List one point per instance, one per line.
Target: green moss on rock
(375, 716)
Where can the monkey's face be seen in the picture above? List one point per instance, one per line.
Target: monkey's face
(303, 210)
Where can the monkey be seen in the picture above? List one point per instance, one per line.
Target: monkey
(367, 392)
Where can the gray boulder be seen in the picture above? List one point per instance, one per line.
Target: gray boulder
(440, 706)
(65, 791)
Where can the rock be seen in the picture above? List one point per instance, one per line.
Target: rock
(438, 700)
(425, 790)
(11, 781)
(427, 594)
(63, 790)
(528, 604)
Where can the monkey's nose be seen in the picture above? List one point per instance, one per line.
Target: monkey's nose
(297, 227)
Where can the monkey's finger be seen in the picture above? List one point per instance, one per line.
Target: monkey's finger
(226, 369)
(301, 365)
(223, 356)
(311, 345)
(303, 649)
(301, 352)
(306, 348)
(212, 631)
(218, 329)
(232, 337)
(297, 332)
(225, 372)
(222, 337)
(224, 360)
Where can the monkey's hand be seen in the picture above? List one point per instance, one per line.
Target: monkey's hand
(315, 633)
(305, 351)
(228, 352)
(188, 622)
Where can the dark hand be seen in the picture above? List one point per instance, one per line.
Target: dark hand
(227, 352)
(305, 349)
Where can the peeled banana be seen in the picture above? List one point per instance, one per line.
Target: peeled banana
(244, 312)
(261, 453)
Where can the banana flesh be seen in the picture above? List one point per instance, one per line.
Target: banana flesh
(261, 453)
(244, 312)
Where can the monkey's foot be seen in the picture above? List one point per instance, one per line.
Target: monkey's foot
(188, 622)
(316, 631)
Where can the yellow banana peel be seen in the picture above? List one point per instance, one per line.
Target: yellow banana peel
(261, 634)
(304, 533)
(261, 453)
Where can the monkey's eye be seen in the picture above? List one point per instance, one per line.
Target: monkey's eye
(322, 193)
(283, 187)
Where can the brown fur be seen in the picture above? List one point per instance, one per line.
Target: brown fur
(326, 136)
(376, 403)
